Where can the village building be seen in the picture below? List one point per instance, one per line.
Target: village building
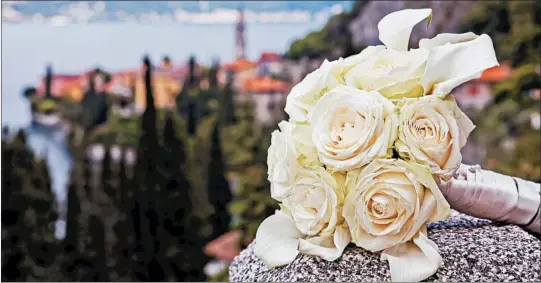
(268, 96)
(63, 86)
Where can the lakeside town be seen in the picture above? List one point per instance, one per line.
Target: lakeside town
(174, 151)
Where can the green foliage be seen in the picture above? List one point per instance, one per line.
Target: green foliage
(246, 151)
(334, 36)
(163, 212)
(313, 45)
(148, 221)
(227, 103)
(242, 139)
(29, 248)
(253, 203)
(218, 187)
(504, 128)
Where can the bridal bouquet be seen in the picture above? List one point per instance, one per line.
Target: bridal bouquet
(368, 138)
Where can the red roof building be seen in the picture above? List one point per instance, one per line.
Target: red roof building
(63, 85)
(496, 74)
(264, 85)
(269, 57)
(240, 65)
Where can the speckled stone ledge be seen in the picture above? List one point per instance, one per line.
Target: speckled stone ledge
(472, 250)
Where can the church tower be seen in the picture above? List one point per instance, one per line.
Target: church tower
(239, 36)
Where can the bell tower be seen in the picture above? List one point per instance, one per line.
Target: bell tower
(239, 35)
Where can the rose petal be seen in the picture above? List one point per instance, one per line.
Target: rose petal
(413, 261)
(450, 65)
(330, 247)
(305, 94)
(395, 28)
(277, 240)
(422, 175)
(464, 122)
(351, 61)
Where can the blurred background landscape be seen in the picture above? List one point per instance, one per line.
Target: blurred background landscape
(135, 133)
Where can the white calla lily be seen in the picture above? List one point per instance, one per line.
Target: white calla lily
(277, 240)
(451, 64)
(395, 28)
(413, 261)
(446, 38)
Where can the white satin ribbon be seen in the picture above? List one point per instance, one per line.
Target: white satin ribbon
(486, 194)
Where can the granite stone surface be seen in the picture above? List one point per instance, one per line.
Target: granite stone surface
(472, 250)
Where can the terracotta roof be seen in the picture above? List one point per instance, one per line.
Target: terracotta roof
(265, 84)
(240, 65)
(269, 57)
(60, 84)
(225, 247)
(496, 74)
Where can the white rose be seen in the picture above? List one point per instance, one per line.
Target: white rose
(281, 161)
(432, 132)
(352, 127)
(388, 204)
(349, 62)
(394, 74)
(304, 146)
(304, 96)
(315, 201)
(310, 221)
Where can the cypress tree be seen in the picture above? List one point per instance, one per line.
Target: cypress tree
(97, 254)
(188, 100)
(76, 258)
(48, 81)
(40, 215)
(218, 187)
(192, 77)
(213, 75)
(94, 104)
(71, 251)
(110, 215)
(124, 227)
(227, 104)
(192, 120)
(13, 204)
(184, 246)
(147, 220)
(110, 189)
(77, 265)
(28, 215)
